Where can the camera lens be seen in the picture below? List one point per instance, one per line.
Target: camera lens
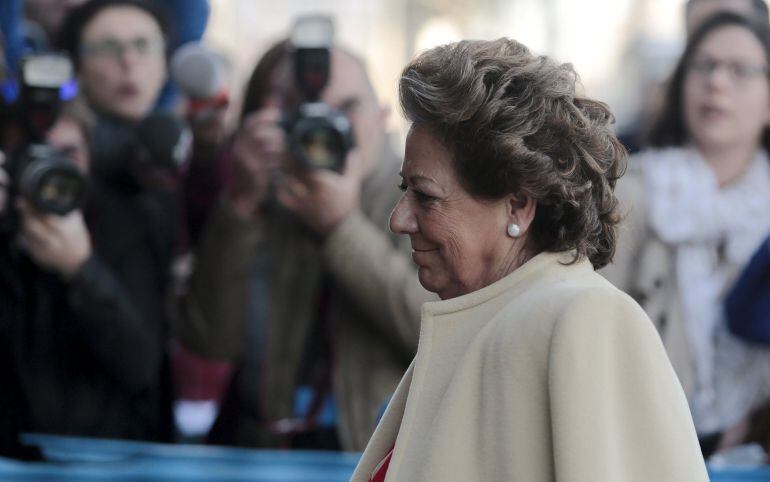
(320, 138)
(59, 191)
(322, 147)
(51, 183)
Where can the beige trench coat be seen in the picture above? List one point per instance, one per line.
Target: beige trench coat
(548, 374)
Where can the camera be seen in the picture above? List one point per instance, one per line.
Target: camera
(319, 136)
(46, 178)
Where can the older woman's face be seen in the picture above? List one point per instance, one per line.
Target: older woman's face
(459, 243)
(726, 90)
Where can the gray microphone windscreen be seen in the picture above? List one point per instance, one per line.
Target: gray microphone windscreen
(198, 71)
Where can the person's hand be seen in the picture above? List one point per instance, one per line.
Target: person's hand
(209, 130)
(321, 198)
(259, 150)
(4, 181)
(57, 243)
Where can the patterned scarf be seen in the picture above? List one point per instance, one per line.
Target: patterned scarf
(713, 232)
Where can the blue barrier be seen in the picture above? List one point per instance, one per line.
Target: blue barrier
(86, 460)
(740, 475)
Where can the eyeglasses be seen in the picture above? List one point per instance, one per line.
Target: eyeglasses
(114, 49)
(736, 70)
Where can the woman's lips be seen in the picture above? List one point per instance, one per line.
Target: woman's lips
(419, 255)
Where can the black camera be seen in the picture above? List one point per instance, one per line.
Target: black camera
(319, 136)
(46, 178)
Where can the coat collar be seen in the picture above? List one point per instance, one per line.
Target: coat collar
(517, 281)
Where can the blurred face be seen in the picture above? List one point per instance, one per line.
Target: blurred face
(459, 243)
(123, 65)
(726, 91)
(349, 91)
(67, 136)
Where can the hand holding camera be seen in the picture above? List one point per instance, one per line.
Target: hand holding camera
(310, 141)
(57, 243)
(322, 198)
(259, 152)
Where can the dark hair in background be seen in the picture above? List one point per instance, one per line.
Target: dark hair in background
(259, 85)
(79, 17)
(514, 124)
(759, 7)
(670, 129)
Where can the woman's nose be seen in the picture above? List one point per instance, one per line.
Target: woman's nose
(402, 220)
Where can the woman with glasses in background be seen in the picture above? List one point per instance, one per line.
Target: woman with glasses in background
(696, 205)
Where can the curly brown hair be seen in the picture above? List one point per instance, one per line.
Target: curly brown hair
(514, 124)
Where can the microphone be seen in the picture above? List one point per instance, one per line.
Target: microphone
(202, 75)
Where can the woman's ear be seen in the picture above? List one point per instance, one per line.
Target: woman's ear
(521, 211)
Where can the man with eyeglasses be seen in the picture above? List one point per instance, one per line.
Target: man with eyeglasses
(119, 53)
(34, 26)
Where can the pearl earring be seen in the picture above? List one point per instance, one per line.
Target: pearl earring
(514, 230)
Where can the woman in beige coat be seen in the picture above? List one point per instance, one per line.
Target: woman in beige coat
(532, 367)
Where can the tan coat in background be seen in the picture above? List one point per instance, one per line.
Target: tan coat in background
(548, 374)
(373, 310)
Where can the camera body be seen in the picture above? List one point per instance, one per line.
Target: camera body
(319, 136)
(44, 177)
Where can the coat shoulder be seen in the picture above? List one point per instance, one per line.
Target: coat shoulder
(586, 300)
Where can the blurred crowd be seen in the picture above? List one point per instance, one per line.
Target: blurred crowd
(167, 277)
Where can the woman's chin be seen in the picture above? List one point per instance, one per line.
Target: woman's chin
(427, 280)
(442, 288)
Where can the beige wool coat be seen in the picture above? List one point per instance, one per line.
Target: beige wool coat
(548, 374)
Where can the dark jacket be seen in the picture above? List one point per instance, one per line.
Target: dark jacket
(747, 305)
(90, 353)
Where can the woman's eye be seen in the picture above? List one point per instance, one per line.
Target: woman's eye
(422, 197)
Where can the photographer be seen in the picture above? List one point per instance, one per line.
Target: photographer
(88, 361)
(297, 280)
(88, 290)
